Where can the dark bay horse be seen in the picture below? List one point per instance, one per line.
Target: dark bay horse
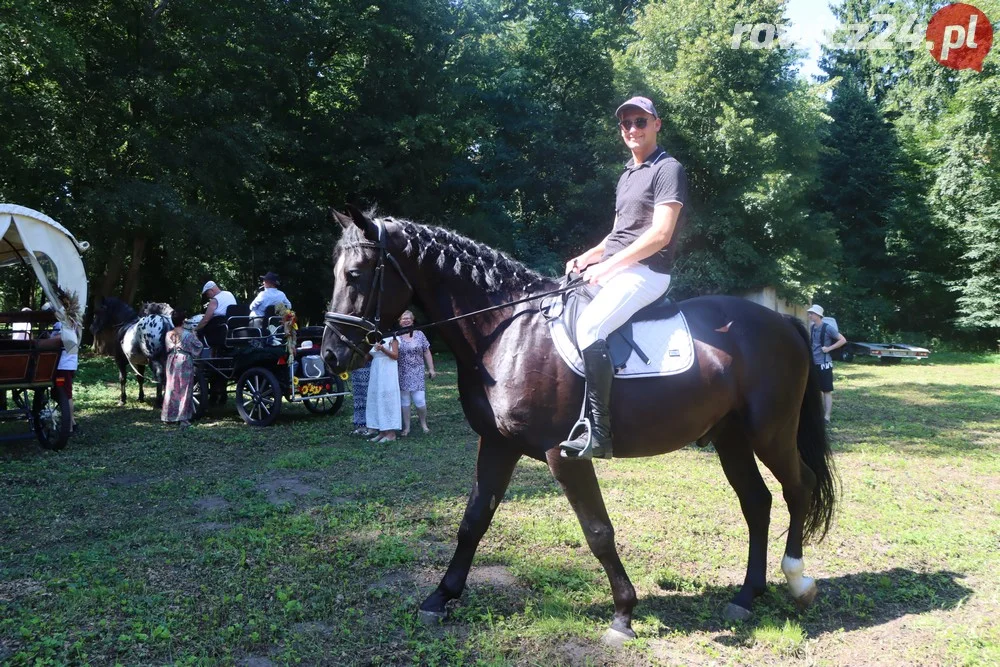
(752, 391)
(137, 340)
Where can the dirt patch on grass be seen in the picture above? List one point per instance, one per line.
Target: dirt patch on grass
(18, 588)
(287, 488)
(497, 576)
(211, 504)
(213, 526)
(128, 479)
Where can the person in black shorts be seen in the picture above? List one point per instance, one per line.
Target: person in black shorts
(825, 338)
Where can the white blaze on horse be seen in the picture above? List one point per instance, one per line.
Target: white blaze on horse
(137, 340)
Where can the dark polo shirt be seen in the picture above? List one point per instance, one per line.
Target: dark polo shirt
(658, 180)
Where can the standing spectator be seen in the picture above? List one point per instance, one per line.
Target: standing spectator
(382, 405)
(414, 350)
(183, 347)
(359, 389)
(66, 369)
(825, 338)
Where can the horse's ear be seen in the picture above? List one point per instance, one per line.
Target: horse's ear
(341, 219)
(363, 222)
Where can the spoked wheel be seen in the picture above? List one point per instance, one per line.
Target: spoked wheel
(51, 418)
(329, 405)
(199, 394)
(258, 397)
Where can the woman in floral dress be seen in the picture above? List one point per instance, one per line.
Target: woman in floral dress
(414, 350)
(183, 347)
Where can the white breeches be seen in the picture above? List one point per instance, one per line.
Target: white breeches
(621, 297)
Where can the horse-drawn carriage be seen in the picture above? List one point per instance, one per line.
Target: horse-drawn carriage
(28, 357)
(267, 360)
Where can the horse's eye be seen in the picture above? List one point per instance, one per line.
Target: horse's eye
(354, 275)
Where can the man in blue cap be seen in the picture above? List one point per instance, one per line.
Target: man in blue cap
(631, 267)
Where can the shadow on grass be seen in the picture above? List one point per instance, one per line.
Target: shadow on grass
(849, 602)
(935, 421)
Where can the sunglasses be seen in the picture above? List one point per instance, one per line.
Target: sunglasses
(640, 124)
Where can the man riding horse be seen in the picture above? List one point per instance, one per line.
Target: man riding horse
(630, 268)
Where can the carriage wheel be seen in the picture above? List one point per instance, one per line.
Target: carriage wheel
(258, 397)
(199, 394)
(329, 405)
(50, 413)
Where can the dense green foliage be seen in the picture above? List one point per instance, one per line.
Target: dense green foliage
(189, 141)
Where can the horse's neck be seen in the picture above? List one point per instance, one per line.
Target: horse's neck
(451, 296)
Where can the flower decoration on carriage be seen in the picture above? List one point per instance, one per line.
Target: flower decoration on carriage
(291, 325)
(70, 302)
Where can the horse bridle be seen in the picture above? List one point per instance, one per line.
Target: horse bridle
(371, 327)
(373, 333)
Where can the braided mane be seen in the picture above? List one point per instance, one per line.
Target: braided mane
(485, 267)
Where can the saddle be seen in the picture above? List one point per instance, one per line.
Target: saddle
(621, 342)
(655, 341)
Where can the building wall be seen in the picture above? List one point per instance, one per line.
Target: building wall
(768, 297)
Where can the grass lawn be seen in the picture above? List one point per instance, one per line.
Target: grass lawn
(141, 544)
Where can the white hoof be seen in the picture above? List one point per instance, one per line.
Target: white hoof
(616, 638)
(734, 612)
(431, 618)
(807, 597)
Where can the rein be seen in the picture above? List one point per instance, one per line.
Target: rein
(371, 327)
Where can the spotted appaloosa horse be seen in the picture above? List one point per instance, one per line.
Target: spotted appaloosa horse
(139, 339)
(752, 391)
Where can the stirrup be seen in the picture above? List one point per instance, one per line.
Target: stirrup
(572, 448)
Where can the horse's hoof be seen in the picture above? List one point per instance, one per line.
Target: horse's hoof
(616, 638)
(734, 612)
(808, 597)
(431, 618)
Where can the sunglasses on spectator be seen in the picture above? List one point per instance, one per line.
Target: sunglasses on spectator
(640, 124)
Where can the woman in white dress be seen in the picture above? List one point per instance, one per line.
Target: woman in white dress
(382, 411)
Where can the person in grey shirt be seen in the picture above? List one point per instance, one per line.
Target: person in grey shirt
(825, 338)
(631, 267)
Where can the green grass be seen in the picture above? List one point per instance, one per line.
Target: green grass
(140, 544)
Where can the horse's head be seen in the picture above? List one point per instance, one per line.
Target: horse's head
(156, 308)
(110, 312)
(369, 288)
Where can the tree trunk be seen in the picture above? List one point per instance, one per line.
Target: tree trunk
(132, 278)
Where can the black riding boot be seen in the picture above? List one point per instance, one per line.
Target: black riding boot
(599, 372)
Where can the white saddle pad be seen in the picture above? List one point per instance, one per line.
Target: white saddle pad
(667, 343)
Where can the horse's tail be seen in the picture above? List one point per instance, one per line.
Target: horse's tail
(814, 448)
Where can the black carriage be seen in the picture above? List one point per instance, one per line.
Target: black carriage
(264, 369)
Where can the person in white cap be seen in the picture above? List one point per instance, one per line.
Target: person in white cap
(219, 302)
(825, 337)
(631, 267)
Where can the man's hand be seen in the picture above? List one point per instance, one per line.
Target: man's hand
(598, 274)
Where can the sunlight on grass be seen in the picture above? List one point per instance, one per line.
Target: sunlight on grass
(297, 543)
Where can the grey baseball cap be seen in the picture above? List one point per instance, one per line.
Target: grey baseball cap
(642, 103)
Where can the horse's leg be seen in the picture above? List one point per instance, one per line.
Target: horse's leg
(493, 470)
(580, 485)
(122, 378)
(740, 467)
(141, 379)
(797, 483)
